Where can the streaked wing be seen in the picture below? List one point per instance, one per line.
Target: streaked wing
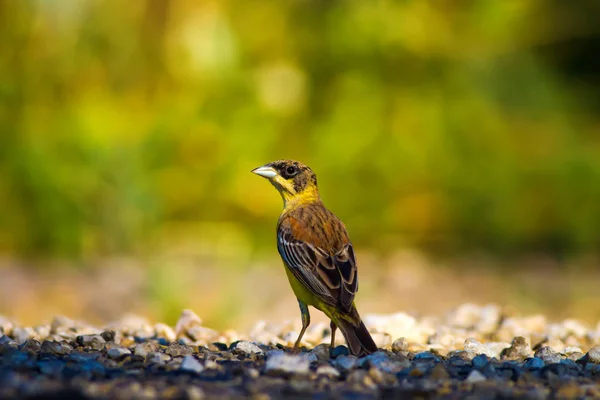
(332, 278)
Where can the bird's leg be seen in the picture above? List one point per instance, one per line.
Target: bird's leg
(305, 322)
(333, 327)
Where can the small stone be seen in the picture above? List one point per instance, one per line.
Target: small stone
(81, 357)
(439, 372)
(279, 362)
(51, 367)
(52, 347)
(21, 335)
(117, 353)
(328, 370)
(61, 324)
(475, 376)
(41, 331)
(426, 355)
(571, 350)
(252, 373)
(480, 361)
(593, 355)
(190, 363)
(165, 331)
(518, 350)
(399, 345)
(178, 350)
(548, 355)
(5, 341)
(321, 352)
(195, 393)
(346, 363)
(6, 326)
(132, 325)
(339, 351)
(158, 358)
(143, 349)
(186, 320)
(361, 377)
(32, 346)
(95, 342)
(246, 347)
(534, 363)
(108, 336)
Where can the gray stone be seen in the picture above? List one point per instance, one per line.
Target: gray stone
(143, 349)
(95, 342)
(593, 355)
(548, 355)
(54, 348)
(190, 363)
(475, 376)
(21, 335)
(534, 363)
(178, 350)
(158, 358)
(327, 370)
(279, 362)
(6, 326)
(117, 353)
(346, 363)
(321, 352)
(518, 350)
(51, 367)
(480, 361)
(246, 347)
(399, 345)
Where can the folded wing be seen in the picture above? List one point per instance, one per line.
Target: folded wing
(331, 276)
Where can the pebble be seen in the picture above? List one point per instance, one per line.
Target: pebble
(190, 363)
(518, 350)
(165, 331)
(279, 362)
(178, 350)
(143, 349)
(6, 326)
(246, 347)
(95, 342)
(328, 370)
(346, 363)
(548, 355)
(480, 361)
(475, 376)
(534, 363)
(321, 352)
(22, 334)
(593, 355)
(399, 345)
(158, 358)
(117, 352)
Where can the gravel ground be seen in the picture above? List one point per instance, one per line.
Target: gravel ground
(472, 352)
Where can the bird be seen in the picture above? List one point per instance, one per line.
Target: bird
(317, 254)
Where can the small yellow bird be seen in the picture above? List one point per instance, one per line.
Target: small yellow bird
(317, 254)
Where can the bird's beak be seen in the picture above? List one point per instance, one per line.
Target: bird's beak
(265, 171)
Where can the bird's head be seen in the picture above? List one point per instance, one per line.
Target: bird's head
(295, 181)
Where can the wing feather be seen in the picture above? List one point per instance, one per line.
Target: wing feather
(331, 277)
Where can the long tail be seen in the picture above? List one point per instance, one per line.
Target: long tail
(360, 342)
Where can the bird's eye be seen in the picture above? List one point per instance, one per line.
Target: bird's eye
(291, 170)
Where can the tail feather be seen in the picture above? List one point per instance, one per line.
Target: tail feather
(360, 342)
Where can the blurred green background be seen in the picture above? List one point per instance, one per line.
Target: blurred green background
(128, 130)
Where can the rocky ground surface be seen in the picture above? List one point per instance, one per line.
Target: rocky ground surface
(475, 352)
